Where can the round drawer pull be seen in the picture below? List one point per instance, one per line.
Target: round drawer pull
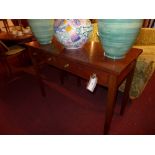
(66, 65)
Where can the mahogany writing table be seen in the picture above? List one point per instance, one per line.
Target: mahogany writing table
(85, 62)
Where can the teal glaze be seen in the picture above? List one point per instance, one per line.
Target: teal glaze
(42, 29)
(118, 35)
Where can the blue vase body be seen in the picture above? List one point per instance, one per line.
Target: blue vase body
(42, 29)
(118, 35)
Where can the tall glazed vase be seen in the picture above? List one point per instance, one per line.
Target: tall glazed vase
(42, 29)
(118, 35)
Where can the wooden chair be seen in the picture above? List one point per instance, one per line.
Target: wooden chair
(6, 25)
(148, 23)
(6, 53)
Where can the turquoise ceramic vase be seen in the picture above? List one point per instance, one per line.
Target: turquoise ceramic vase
(42, 29)
(118, 35)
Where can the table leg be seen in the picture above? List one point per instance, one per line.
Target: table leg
(111, 100)
(127, 89)
(40, 81)
(78, 81)
(63, 74)
(37, 73)
(8, 67)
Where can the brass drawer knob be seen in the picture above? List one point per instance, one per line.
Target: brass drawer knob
(66, 65)
(51, 59)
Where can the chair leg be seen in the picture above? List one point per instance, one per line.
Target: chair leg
(8, 68)
(4, 75)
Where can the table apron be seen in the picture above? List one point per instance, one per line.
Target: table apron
(78, 69)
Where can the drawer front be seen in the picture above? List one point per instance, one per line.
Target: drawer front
(81, 70)
(39, 56)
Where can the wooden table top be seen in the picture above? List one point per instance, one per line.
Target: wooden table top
(92, 54)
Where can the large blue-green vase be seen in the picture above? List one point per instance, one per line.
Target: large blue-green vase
(42, 29)
(118, 35)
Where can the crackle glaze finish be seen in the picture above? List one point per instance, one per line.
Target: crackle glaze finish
(72, 33)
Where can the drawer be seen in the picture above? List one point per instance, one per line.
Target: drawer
(39, 56)
(87, 71)
(79, 69)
